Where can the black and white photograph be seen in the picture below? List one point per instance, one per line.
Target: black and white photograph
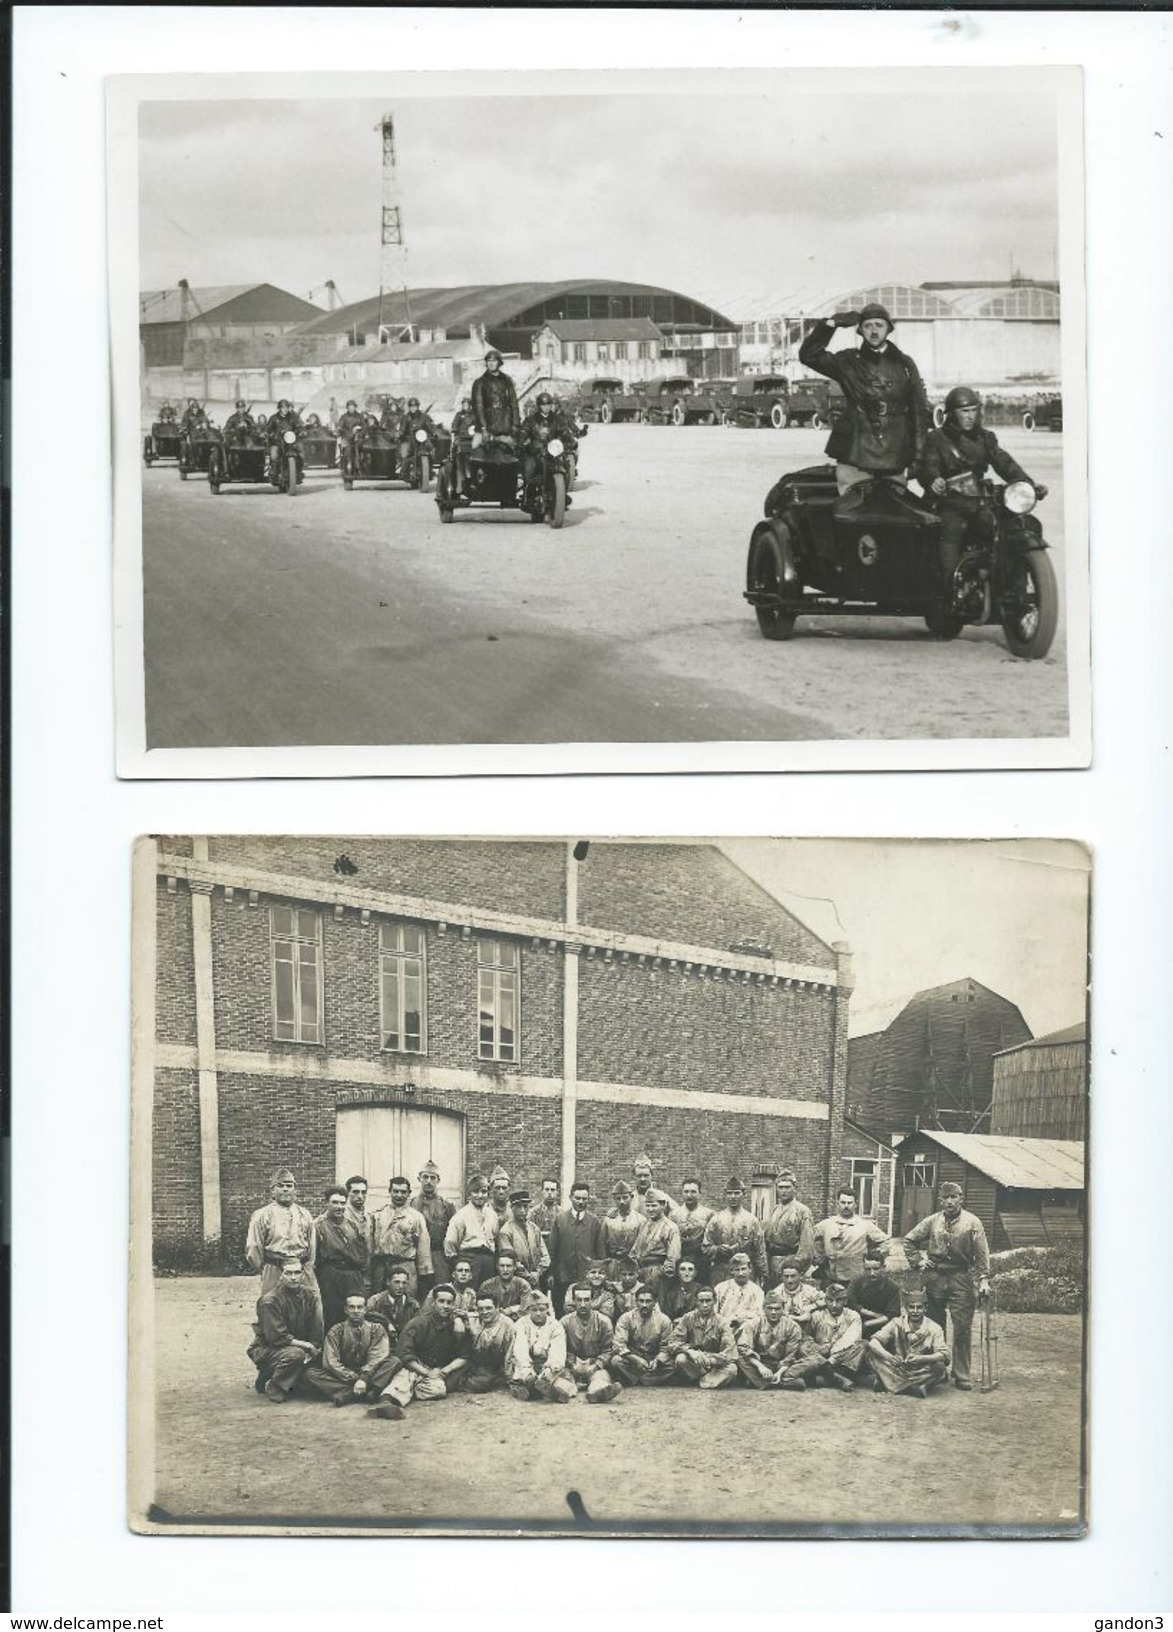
(609, 1186)
(605, 421)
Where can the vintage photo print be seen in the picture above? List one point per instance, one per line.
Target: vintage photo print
(599, 421)
(609, 1186)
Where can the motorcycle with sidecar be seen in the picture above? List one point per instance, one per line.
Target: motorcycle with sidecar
(874, 552)
(162, 441)
(494, 479)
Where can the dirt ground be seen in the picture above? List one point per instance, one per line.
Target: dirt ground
(1011, 1457)
(337, 617)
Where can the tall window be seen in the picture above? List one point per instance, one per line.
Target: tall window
(621, 351)
(863, 1182)
(295, 939)
(645, 350)
(580, 351)
(499, 999)
(403, 988)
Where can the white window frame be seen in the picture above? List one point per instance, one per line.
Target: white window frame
(297, 943)
(864, 1167)
(395, 959)
(498, 971)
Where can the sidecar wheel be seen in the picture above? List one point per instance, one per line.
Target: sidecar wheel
(1029, 632)
(767, 574)
(943, 625)
(445, 512)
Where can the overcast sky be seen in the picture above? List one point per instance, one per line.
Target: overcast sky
(758, 202)
(918, 914)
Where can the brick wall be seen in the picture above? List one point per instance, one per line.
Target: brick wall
(511, 876)
(350, 963)
(679, 1031)
(175, 1159)
(704, 1145)
(271, 1121)
(174, 970)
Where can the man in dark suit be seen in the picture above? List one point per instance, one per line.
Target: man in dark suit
(575, 1240)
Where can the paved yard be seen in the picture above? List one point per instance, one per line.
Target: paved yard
(224, 1454)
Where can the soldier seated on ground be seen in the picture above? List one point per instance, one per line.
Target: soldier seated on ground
(537, 1366)
(909, 1355)
(773, 1351)
(288, 1332)
(492, 1346)
(837, 1336)
(356, 1358)
(739, 1299)
(590, 1343)
(702, 1347)
(800, 1297)
(604, 1294)
(641, 1342)
(431, 1353)
(874, 1295)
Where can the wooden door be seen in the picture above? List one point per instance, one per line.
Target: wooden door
(382, 1140)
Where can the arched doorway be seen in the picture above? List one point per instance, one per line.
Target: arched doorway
(382, 1140)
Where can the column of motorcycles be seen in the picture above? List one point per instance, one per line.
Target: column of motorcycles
(533, 472)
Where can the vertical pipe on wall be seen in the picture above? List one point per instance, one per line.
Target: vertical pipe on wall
(570, 1028)
(205, 1011)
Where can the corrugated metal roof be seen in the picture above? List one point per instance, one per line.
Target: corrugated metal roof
(400, 351)
(1069, 1034)
(1018, 1164)
(166, 305)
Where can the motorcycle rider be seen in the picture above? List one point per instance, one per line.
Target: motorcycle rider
(463, 426)
(285, 419)
(414, 419)
(191, 414)
(545, 420)
(239, 420)
(494, 402)
(352, 420)
(885, 416)
(952, 468)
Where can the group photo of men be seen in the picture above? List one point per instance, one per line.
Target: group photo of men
(420, 1299)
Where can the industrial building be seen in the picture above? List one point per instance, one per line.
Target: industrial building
(933, 1066)
(1041, 1087)
(1002, 337)
(1027, 1192)
(361, 1004)
(692, 336)
(169, 319)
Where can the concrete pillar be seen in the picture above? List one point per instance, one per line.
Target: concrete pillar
(209, 1088)
(570, 1031)
(837, 1097)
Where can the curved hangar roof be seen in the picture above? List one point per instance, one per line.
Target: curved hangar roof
(906, 300)
(526, 306)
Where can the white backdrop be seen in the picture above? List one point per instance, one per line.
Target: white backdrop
(74, 824)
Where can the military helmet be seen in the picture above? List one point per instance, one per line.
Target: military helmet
(962, 396)
(413, 402)
(874, 309)
(284, 403)
(494, 353)
(350, 403)
(545, 396)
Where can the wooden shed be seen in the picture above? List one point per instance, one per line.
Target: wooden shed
(1040, 1087)
(1027, 1192)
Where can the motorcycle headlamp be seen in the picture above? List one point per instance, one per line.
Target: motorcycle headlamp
(421, 436)
(289, 438)
(1019, 498)
(554, 448)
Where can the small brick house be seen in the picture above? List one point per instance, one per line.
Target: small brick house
(365, 1003)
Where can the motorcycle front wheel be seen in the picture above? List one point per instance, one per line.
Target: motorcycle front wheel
(943, 625)
(425, 473)
(1029, 625)
(556, 509)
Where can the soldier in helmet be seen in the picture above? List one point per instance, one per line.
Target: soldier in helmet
(885, 416)
(463, 426)
(494, 401)
(413, 419)
(545, 420)
(953, 466)
(240, 420)
(352, 420)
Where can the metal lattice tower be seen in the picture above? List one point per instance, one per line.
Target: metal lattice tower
(394, 306)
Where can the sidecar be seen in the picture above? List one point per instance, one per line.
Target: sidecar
(872, 552)
(494, 478)
(161, 442)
